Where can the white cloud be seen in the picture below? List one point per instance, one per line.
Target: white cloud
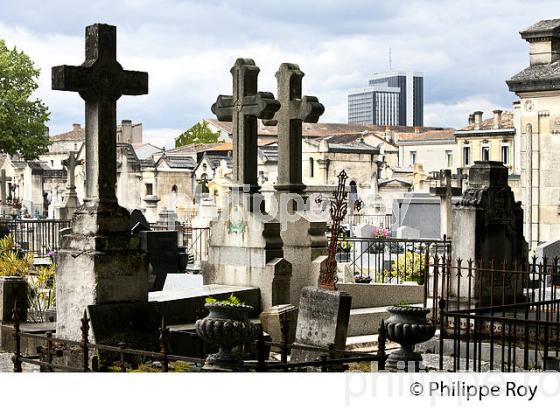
(466, 50)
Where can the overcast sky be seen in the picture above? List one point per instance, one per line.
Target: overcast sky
(466, 51)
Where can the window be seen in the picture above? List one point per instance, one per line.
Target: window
(449, 156)
(311, 168)
(485, 153)
(149, 189)
(413, 157)
(466, 155)
(505, 154)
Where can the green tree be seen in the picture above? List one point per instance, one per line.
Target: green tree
(199, 133)
(22, 118)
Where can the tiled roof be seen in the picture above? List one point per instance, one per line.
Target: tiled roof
(312, 130)
(180, 162)
(435, 135)
(548, 74)
(192, 148)
(78, 134)
(489, 123)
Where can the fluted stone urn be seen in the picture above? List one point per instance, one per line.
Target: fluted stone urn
(407, 326)
(226, 326)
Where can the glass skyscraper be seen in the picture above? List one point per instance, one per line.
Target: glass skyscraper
(392, 98)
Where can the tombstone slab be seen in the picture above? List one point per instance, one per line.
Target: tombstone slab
(322, 321)
(279, 320)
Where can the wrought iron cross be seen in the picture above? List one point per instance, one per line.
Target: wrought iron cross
(339, 206)
(244, 107)
(293, 112)
(100, 81)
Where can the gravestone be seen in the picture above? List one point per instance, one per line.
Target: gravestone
(406, 232)
(446, 192)
(488, 225)
(322, 321)
(70, 202)
(163, 255)
(138, 221)
(100, 262)
(245, 247)
(418, 210)
(549, 250)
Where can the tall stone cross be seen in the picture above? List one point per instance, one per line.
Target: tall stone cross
(3, 180)
(244, 107)
(293, 112)
(100, 81)
(446, 192)
(70, 163)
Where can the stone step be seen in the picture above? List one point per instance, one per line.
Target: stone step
(366, 321)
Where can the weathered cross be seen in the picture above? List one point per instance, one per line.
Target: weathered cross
(3, 180)
(100, 81)
(293, 112)
(244, 107)
(446, 192)
(70, 163)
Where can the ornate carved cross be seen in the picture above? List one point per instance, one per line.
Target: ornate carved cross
(100, 81)
(70, 163)
(244, 107)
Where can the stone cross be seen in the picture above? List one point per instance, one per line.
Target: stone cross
(446, 192)
(244, 107)
(3, 180)
(100, 81)
(293, 112)
(70, 164)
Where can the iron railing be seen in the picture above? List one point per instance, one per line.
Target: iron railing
(389, 260)
(37, 236)
(330, 359)
(381, 220)
(509, 338)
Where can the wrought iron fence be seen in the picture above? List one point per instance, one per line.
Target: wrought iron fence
(464, 285)
(388, 260)
(509, 338)
(330, 359)
(38, 236)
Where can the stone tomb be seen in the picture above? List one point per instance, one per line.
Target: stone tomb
(322, 321)
(418, 210)
(488, 225)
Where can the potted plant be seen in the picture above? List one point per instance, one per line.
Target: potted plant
(379, 236)
(407, 326)
(359, 278)
(14, 269)
(227, 326)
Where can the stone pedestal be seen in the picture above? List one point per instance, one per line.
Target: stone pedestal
(488, 226)
(279, 319)
(100, 262)
(151, 213)
(245, 249)
(304, 240)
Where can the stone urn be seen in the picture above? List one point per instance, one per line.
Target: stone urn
(407, 326)
(227, 326)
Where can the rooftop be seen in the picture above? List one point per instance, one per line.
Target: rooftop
(425, 136)
(543, 28)
(536, 77)
(506, 122)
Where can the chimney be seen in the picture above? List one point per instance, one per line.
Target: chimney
(477, 119)
(544, 42)
(126, 131)
(76, 127)
(471, 119)
(497, 119)
(417, 130)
